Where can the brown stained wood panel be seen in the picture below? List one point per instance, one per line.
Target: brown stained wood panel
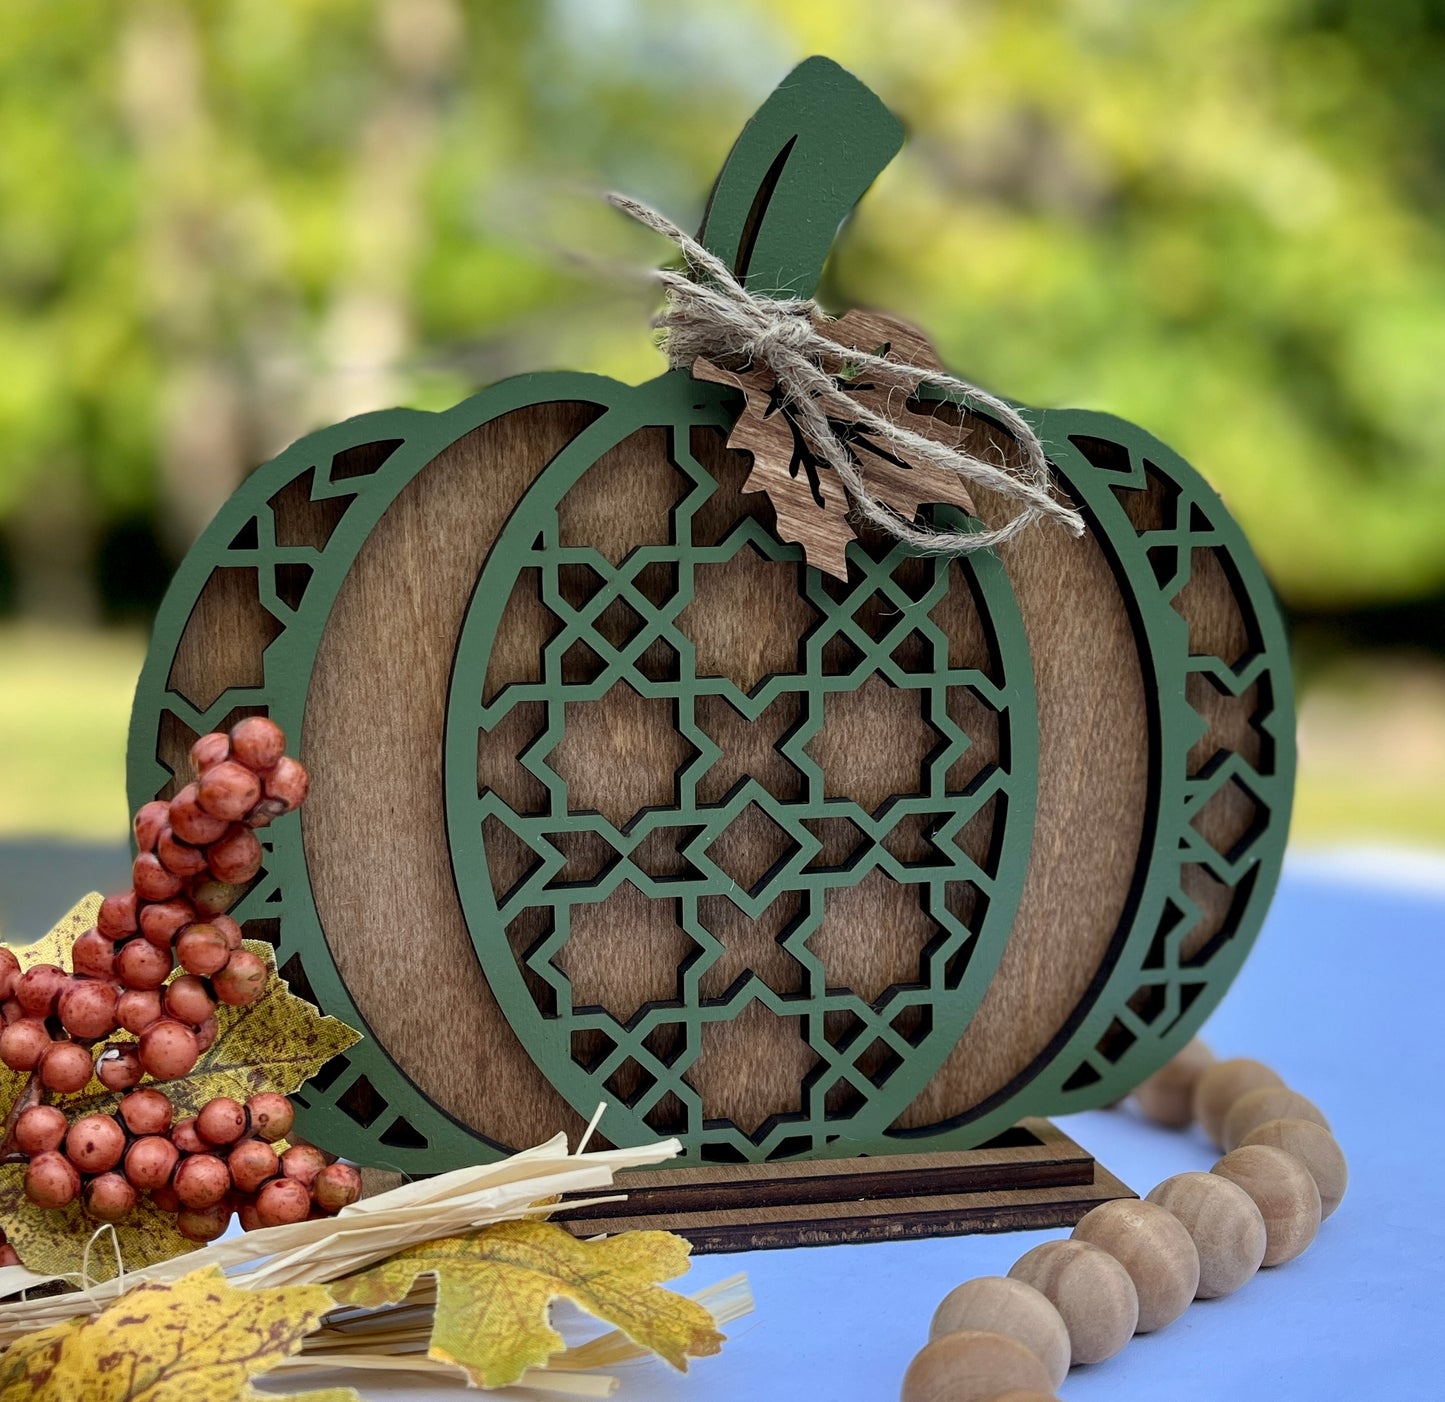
(752, 1066)
(1046, 1180)
(376, 732)
(873, 936)
(750, 946)
(225, 638)
(872, 743)
(1093, 753)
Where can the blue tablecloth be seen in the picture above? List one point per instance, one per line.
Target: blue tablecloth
(1342, 996)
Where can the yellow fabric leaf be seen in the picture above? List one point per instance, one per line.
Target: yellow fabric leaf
(275, 1044)
(198, 1338)
(494, 1287)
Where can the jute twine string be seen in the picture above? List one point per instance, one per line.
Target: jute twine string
(711, 314)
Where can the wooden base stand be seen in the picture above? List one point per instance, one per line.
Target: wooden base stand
(1032, 1176)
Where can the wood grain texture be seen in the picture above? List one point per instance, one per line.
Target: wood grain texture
(374, 831)
(1045, 1181)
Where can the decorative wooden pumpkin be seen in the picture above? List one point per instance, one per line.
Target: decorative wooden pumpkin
(618, 799)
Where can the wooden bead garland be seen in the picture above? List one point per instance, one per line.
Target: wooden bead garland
(1314, 1147)
(1220, 1086)
(972, 1366)
(1129, 1261)
(1225, 1225)
(1092, 1292)
(1003, 1305)
(1265, 1104)
(1285, 1194)
(1153, 1246)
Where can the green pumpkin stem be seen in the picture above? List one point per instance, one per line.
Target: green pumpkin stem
(794, 175)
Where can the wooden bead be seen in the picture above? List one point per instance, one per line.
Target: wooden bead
(1154, 1248)
(1167, 1097)
(1093, 1293)
(972, 1366)
(1226, 1227)
(1263, 1105)
(1220, 1085)
(1313, 1146)
(1001, 1305)
(1284, 1192)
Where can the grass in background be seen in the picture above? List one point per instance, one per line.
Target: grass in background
(1372, 743)
(65, 702)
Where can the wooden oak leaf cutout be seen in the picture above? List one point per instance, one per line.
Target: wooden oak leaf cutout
(494, 1287)
(275, 1044)
(809, 501)
(195, 1338)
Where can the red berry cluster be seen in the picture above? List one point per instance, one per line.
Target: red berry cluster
(197, 853)
(202, 1168)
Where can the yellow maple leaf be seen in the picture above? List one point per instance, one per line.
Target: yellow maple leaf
(275, 1044)
(197, 1338)
(494, 1287)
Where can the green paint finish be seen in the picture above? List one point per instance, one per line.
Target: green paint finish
(797, 169)
(958, 964)
(800, 165)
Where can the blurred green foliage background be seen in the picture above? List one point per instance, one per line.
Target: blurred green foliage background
(226, 222)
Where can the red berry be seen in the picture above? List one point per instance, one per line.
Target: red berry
(150, 818)
(236, 857)
(95, 1143)
(202, 950)
(161, 922)
(272, 1115)
(338, 1185)
(140, 964)
(228, 790)
(282, 1200)
(149, 1162)
(258, 743)
(87, 1007)
(66, 1067)
(39, 987)
(251, 1163)
(109, 1198)
(93, 956)
(168, 1049)
(206, 1034)
(210, 750)
(9, 1256)
(185, 1138)
(221, 1121)
(190, 822)
(40, 1129)
(23, 1043)
(117, 915)
(51, 1180)
(288, 783)
(165, 1199)
(151, 880)
(211, 897)
(178, 857)
(228, 927)
(137, 1008)
(189, 1000)
(9, 972)
(119, 1067)
(303, 1162)
(247, 1215)
(11, 1010)
(202, 1223)
(243, 980)
(146, 1111)
(202, 1180)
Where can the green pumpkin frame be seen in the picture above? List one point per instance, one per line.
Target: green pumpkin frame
(798, 168)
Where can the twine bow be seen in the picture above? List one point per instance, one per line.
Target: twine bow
(710, 314)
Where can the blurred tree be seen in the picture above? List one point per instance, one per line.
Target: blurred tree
(224, 223)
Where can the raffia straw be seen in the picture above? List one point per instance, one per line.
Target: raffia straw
(366, 1232)
(711, 314)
